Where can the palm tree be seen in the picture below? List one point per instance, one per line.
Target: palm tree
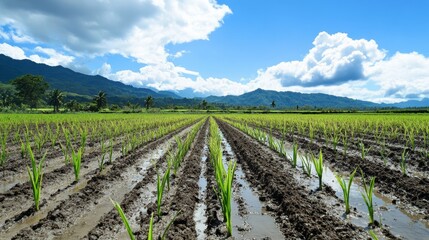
(148, 102)
(204, 104)
(273, 104)
(100, 100)
(56, 99)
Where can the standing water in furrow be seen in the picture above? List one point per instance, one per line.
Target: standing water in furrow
(133, 176)
(400, 223)
(248, 215)
(199, 215)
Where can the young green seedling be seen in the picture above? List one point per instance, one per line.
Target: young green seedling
(223, 177)
(103, 155)
(77, 158)
(373, 235)
(346, 189)
(306, 164)
(294, 157)
(110, 151)
(125, 220)
(160, 186)
(363, 151)
(403, 163)
(318, 166)
(367, 196)
(36, 175)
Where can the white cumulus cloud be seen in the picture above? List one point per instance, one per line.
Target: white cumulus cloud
(334, 59)
(342, 66)
(53, 58)
(140, 28)
(12, 51)
(47, 56)
(404, 75)
(167, 76)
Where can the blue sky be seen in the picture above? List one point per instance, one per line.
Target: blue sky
(369, 50)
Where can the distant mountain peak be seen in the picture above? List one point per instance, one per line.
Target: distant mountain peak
(287, 99)
(68, 80)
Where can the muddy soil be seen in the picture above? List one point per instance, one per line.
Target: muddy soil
(216, 229)
(139, 203)
(186, 199)
(15, 162)
(393, 149)
(70, 209)
(408, 189)
(299, 216)
(411, 189)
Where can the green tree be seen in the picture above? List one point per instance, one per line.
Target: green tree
(7, 94)
(135, 107)
(148, 102)
(73, 106)
(204, 104)
(30, 89)
(273, 104)
(56, 99)
(100, 100)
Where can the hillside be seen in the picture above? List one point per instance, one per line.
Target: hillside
(70, 81)
(412, 103)
(261, 97)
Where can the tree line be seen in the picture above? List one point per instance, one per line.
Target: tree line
(30, 91)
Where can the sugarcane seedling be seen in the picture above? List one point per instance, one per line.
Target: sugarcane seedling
(64, 149)
(335, 140)
(224, 192)
(345, 145)
(164, 234)
(383, 153)
(35, 175)
(373, 235)
(103, 155)
(110, 151)
(150, 231)
(403, 163)
(318, 166)
(311, 134)
(170, 160)
(282, 149)
(124, 148)
(363, 151)
(3, 153)
(23, 149)
(160, 186)
(125, 220)
(367, 196)
(346, 189)
(76, 160)
(306, 164)
(294, 157)
(83, 136)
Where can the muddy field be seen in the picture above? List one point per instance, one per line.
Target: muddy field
(270, 200)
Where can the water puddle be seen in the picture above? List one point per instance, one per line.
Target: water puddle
(50, 165)
(134, 174)
(400, 222)
(44, 210)
(199, 215)
(254, 224)
(62, 183)
(9, 182)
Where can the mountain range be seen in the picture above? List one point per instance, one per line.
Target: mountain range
(73, 82)
(83, 87)
(261, 97)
